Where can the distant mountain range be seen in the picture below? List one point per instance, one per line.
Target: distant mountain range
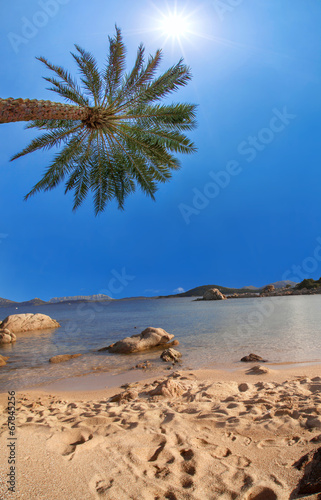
(194, 292)
(89, 298)
(56, 300)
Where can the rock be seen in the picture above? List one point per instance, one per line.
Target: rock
(144, 365)
(257, 370)
(6, 337)
(63, 357)
(252, 358)
(28, 322)
(3, 360)
(171, 355)
(243, 387)
(313, 423)
(174, 343)
(213, 294)
(149, 338)
(310, 483)
(168, 388)
(123, 397)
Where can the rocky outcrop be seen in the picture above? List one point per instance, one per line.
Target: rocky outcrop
(63, 357)
(213, 294)
(253, 358)
(7, 337)
(310, 483)
(3, 360)
(168, 388)
(124, 397)
(28, 322)
(171, 355)
(149, 338)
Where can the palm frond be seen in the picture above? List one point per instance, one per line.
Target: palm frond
(91, 76)
(67, 79)
(46, 141)
(119, 136)
(115, 66)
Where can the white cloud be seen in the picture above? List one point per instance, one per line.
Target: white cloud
(179, 290)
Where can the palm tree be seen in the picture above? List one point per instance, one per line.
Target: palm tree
(116, 135)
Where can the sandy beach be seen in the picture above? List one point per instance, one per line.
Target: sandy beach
(188, 435)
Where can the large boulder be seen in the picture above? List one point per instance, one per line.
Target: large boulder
(213, 294)
(149, 338)
(7, 337)
(27, 322)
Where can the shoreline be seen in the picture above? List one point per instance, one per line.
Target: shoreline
(105, 379)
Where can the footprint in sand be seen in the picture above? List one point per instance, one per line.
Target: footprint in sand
(266, 443)
(221, 452)
(67, 442)
(187, 454)
(99, 486)
(260, 493)
(237, 461)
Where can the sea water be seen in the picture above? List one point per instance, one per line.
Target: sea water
(212, 334)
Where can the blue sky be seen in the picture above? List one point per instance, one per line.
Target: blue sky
(244, 210)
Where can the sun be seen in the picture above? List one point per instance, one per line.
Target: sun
(174, 25)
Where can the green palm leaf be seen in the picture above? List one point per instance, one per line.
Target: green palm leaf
(122, 137)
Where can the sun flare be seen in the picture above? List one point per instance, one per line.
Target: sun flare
(174, 25)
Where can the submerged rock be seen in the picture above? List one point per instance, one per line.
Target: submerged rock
(171, 355)
(149, 338)
(7, 337)
(3, 360)
(63, 357)
(28, 322)
(144, 365)
(213, 294)
(253, 358)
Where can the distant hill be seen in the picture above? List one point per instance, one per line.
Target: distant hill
(200, 290)
(6, 302)
(97, 297)
(32, 302)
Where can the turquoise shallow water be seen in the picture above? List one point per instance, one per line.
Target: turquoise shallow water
(211, 335)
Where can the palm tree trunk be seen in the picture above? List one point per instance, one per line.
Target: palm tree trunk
(21, 110)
